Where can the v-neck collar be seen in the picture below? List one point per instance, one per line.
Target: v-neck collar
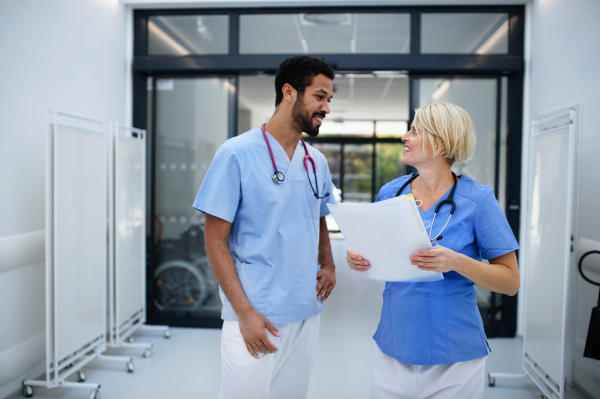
(431, 209)
(280, 154)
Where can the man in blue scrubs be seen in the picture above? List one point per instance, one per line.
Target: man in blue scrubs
(267, 240)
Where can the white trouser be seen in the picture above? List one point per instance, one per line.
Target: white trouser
(284, 374)
(396, 380)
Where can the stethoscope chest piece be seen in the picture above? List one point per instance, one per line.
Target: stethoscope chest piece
(278, 177)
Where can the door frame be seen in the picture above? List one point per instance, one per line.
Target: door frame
(231, 65)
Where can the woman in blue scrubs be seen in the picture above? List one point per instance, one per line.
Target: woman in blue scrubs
(430, 340)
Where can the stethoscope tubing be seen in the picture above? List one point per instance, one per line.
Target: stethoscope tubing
(449, 200)
(276, 174)
(269, 145)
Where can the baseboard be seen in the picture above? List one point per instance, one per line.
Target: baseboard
(26, 360)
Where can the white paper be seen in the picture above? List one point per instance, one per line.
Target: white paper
(386, 233)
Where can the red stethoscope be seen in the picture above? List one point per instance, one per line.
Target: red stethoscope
(278, 176)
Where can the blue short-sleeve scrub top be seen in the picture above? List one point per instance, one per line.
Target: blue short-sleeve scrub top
(439, 322)
(274, 235)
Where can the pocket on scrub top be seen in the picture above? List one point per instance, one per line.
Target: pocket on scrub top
(255, 280)
(455, 328)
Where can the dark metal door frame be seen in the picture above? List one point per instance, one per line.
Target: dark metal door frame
(417, 64)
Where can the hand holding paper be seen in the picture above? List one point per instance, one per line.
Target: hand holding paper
(386, 234)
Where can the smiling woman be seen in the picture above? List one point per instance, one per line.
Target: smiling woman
(437, 324)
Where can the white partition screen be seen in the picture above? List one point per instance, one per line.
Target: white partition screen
(549, 224)
(80, 237)
(130, 228)
(128, 232)
(76, 251)
(76, 201)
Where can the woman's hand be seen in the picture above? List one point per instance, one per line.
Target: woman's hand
(438, 259)
(356, 262)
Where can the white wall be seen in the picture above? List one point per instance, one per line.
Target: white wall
(68, 54)
(563, 71)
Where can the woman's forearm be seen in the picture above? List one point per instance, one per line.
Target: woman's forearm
(501, 275)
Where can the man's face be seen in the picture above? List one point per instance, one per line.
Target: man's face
(310, 108)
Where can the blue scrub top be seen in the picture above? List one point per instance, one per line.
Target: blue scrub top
(439, 322)
(274, 237)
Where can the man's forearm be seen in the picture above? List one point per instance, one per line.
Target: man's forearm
(222, 264)
(223, 268)
(325, 257)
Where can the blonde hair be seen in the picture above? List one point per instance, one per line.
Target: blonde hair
(451, 125)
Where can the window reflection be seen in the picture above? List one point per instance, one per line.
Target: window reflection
(182, 35)
(191, 123)
(325, 33)
(464, 33)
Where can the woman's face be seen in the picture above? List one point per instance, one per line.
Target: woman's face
(413, 145)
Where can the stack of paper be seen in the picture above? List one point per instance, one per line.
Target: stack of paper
(386, 233)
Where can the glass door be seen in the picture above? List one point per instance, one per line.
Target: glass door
(485, 99)
(189, 119)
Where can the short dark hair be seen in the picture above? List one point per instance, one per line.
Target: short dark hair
(299, 71)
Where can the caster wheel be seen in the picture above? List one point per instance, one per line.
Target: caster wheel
(95, 394)
(168, 333)
(129, 367)
(147, 352)
(491, 381)
(27, 391)
(81, 376)
(130, 340)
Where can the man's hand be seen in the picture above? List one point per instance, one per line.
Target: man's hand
(252, 327)
(326, 277)
(326, 274)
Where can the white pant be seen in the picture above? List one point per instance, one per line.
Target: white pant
(396, 380)
(281, 375)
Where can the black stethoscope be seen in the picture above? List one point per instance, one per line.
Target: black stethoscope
(449, 200)
(278, 176)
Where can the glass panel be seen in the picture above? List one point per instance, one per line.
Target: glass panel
(464, 33)
(479, 98)
(325, 33)
(388, 165)
(391, 128)
(359, 103)
(188, 34)
(367, 98)
(347, 128)
(333, 153)
(358, 169)
(192, 121)
(501, 194)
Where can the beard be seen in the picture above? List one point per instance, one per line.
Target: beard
(304, 119)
